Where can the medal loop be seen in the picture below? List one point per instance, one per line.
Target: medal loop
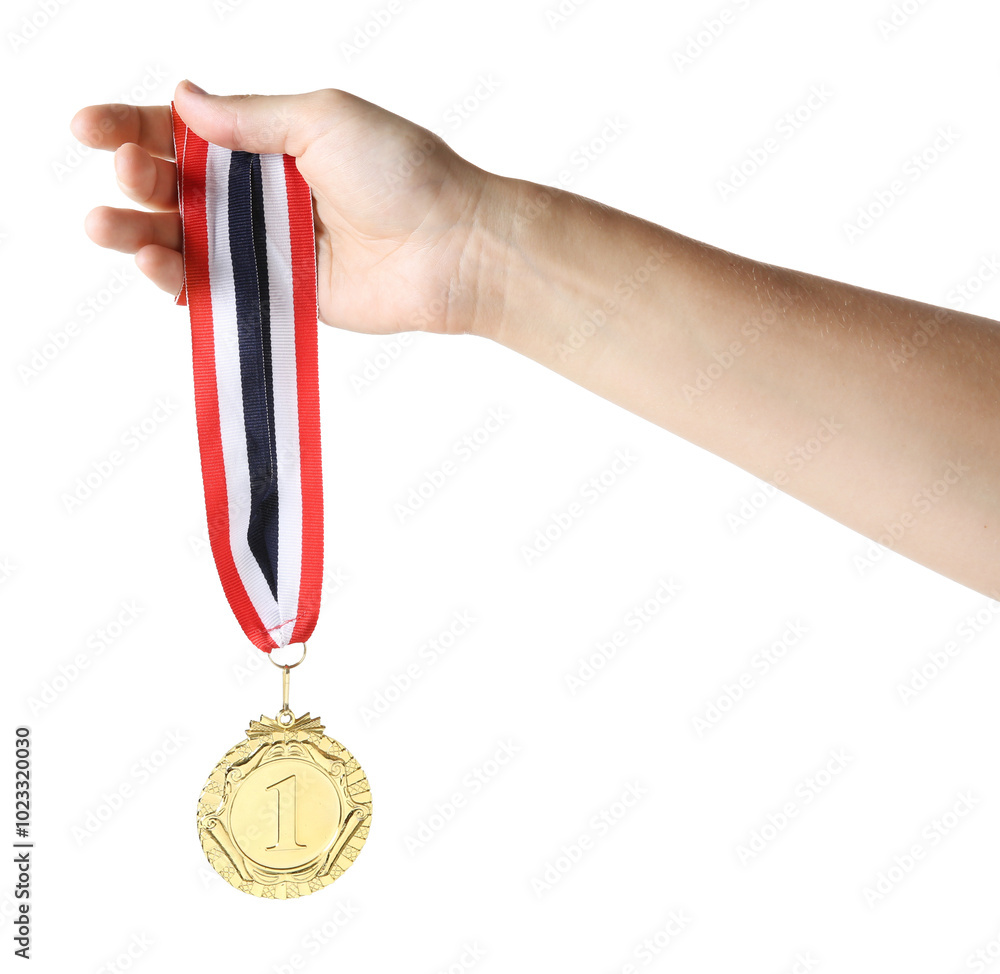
(289, 666)
(285, 715)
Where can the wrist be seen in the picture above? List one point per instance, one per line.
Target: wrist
(514, 256)
(484, 289)
(542, 263)
(575, 281)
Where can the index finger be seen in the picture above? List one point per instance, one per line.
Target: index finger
(110, 126)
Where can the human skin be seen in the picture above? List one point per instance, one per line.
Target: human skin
(881, 412)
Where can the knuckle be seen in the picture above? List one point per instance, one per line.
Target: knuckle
(241, 118)
(322, 110)
(329, 99)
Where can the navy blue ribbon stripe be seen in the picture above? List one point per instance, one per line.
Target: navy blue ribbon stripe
(248, 246)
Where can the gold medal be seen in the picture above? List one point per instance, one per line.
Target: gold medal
(286, 810)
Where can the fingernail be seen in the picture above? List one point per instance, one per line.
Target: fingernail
(195, 88)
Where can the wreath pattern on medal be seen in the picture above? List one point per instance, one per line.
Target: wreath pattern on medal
(269, 741)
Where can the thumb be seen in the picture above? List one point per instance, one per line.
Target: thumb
(254, 123)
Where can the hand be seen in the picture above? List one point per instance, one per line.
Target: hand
(405, 228)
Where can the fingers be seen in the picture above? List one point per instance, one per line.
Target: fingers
(163, 266)
(260, 123)
(154, 238)
(109, 126)
(128, 231)
(145, 179)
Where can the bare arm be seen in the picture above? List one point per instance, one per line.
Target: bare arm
(881, 412)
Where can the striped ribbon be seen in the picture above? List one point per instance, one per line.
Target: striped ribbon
(250, 287)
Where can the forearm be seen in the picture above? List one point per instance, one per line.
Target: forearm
(873, 409)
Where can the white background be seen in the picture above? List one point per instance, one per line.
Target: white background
(183, 667)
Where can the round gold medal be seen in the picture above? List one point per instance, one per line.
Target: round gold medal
(286, 811)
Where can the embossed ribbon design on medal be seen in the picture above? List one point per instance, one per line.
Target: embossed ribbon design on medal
(286, 811)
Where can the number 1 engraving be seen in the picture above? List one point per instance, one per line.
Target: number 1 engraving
(286, 799)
